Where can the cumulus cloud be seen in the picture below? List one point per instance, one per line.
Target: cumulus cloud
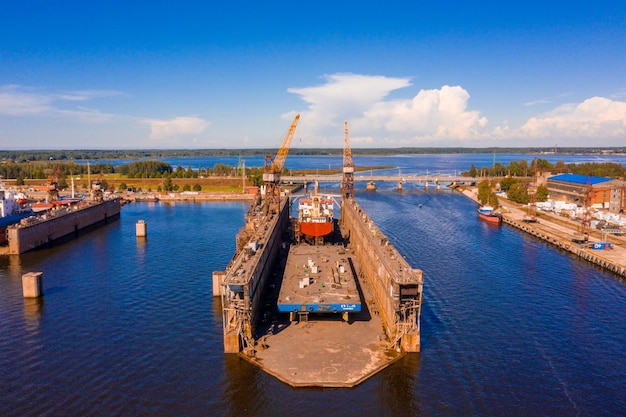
(175, 128)
(430, 115)
(596, 117)
(441, 116)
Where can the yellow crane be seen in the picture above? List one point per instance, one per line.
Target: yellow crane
(274, 166)
(347, 183)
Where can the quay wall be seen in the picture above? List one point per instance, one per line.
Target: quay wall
(568, 245)
(392, 280)
(613, 263)
(23, 238)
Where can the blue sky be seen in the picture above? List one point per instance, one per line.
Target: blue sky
(192, 74)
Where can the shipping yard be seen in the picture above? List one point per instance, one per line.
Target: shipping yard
(314, 300)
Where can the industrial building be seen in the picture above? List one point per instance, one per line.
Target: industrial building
(589, 191)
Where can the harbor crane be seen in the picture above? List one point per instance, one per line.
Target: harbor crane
(97, 189)
(53, 185)
(274, 166)
(347, 183)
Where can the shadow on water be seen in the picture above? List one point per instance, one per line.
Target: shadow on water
(54, 290)
(242, 395)
(396, 387)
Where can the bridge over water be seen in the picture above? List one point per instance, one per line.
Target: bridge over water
(383, 178)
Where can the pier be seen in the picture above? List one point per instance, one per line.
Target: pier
(434, 179)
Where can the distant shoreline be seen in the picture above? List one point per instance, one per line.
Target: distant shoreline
(133, 154)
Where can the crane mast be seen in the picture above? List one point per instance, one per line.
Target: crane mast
(274, 166)
(53, 185)
(347, 183)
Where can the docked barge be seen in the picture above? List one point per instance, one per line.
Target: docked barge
(45, 230)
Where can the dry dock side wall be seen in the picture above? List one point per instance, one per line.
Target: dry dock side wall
(263, 268)
(397, 288)
(245, 281)
(23, 238)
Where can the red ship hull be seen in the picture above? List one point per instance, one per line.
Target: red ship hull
(316, 229)
(491, 218)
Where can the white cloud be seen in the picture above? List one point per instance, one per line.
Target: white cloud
(535, 102)
(441, 117)
(596, 117)
(175, 128)
(85, 95)
(87, 115)
(17, 101)
(431, 115)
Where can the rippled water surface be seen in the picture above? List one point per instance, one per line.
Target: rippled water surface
(510, 326)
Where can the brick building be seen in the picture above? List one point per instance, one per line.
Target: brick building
(573, 188)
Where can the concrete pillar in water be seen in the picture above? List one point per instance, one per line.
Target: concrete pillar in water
(141, 228)
(218, 279)
(32, 284)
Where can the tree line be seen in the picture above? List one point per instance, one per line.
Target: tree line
(139, 169)
(526, 169)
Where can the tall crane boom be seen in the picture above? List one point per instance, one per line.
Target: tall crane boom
(273, 168)
(347, 183)
(281, 155)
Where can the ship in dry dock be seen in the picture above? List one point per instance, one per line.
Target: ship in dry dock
(325, 312)
(315, 217)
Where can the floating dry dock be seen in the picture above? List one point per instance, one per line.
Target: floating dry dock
(318, 315)
(318, 279)
(36, 232)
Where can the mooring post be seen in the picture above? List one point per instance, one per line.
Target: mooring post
(141, 229)
(32, 284)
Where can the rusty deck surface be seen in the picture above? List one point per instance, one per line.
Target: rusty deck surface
(324, 350)
(326, 353)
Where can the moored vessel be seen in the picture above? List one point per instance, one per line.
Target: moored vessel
(488, 214)
(315, 216)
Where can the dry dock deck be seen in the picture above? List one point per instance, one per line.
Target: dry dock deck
(322, 350)
(318, 279)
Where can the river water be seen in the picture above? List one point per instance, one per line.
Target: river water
(128, 326)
